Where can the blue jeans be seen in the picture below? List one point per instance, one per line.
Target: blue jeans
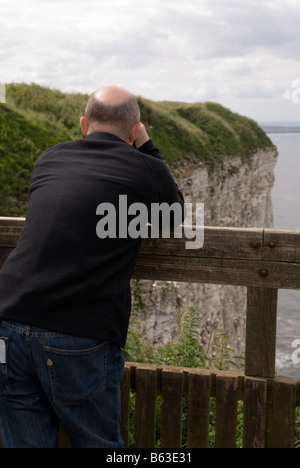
(47, 378)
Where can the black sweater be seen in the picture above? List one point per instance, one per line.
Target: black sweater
(61, 276)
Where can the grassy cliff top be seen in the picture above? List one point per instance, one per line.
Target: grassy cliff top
(35, 118)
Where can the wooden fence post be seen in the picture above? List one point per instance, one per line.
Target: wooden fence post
(261, 332)
(199, 389)
(282, 413)
(145, 406)
(226, 410)
(255, 412)
(171, 408)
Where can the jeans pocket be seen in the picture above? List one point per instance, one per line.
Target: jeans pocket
(5, 388)
(76, 375)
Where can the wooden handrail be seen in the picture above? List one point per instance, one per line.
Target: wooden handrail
(243, 257)
(264, 258)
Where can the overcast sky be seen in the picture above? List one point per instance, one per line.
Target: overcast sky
(242, 54)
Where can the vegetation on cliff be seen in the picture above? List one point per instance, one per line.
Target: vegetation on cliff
(35, 118)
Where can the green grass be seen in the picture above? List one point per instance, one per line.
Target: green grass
(21, 142)
(201, 132)
(36, 118)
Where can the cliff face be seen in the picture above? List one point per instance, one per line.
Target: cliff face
(238, 194)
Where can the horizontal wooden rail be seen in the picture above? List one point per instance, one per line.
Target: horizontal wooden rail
(263, 260)
(244, 257)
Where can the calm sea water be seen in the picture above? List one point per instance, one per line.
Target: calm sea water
(286, 206)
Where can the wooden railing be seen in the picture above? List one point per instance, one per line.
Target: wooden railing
(264, 260)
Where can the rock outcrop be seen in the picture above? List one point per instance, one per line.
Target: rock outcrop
(236, 194)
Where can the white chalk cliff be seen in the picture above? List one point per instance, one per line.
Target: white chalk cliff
(237, 194)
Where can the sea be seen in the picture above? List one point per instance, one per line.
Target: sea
(286, 208)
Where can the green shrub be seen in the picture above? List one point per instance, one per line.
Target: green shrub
(186, 352)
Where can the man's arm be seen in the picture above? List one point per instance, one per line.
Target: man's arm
(168, 190)
(144, 143)
(142, 136)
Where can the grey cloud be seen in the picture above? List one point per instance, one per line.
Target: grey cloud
(228, 50)
(258, 90)
(235, 28)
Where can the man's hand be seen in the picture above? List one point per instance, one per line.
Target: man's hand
(142, 136)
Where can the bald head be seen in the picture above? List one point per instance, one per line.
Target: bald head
(111, 109)
(112, 95)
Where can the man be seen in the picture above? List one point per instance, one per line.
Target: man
(65, 292)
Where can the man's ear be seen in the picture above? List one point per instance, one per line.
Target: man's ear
(133, 134)
(83, 125)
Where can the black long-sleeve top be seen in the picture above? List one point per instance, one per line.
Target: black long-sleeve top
(61, 276)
